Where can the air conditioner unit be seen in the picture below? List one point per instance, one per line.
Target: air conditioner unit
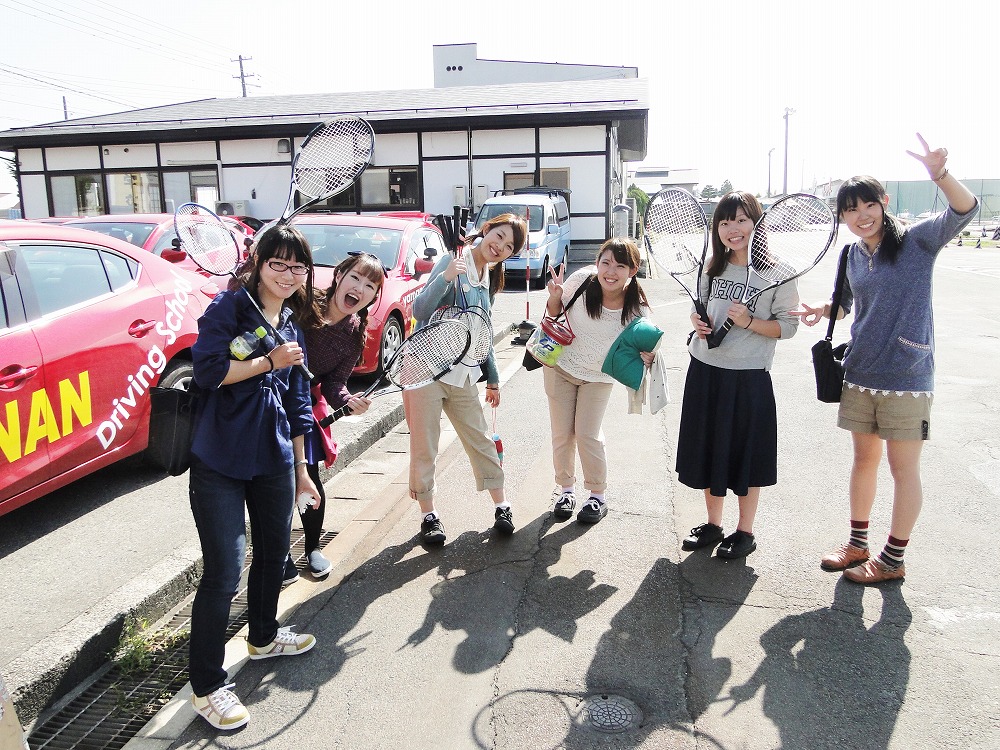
(231, 208)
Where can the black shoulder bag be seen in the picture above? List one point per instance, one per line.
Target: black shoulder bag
(828, 360)
(171, 420)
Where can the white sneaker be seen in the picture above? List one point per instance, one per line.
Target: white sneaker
(319, 566)
(222, 709)
(285, 643)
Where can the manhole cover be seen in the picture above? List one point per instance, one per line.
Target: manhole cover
(607, 713)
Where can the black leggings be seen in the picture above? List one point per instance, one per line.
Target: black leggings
(312, 519)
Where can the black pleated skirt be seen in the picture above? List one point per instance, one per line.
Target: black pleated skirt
(729, 430)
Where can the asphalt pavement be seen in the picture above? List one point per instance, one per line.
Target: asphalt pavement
(553, 637)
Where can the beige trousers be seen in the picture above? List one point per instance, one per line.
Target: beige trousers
(576, 411)
(423, 408)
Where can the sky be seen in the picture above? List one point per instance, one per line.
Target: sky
(861, 77)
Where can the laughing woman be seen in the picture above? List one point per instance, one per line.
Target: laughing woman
(334, 348)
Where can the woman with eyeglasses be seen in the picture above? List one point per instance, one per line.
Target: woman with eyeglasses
(248, 451)
(334, 346)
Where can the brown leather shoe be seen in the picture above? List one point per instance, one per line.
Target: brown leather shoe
(874, 571)
(844, 557)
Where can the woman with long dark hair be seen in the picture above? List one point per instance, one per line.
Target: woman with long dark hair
(889, 365)
(729, 427)
(248, 457)
(578, 391)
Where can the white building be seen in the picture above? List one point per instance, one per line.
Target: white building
(435, 148)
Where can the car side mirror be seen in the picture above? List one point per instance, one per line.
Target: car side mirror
(423, 265)
(552, 229)
(173, 255)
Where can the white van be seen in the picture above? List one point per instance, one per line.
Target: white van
(548, 228)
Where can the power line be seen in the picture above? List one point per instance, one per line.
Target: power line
(100, 33)
(66, 88)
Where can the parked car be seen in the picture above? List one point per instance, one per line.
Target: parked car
(407, 247)
(154, 232)
(549, 230)
(87, 324)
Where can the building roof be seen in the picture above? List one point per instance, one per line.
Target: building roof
(568, 102)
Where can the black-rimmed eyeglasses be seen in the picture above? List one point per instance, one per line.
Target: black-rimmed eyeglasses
(298, 269)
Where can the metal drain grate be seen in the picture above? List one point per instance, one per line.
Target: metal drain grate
(609, 714)
(111, 711)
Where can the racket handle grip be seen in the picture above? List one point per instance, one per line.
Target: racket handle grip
(716, 338)
(699, 307)
(333, 416)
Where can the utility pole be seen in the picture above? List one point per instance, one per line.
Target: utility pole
(243, 76)
(65, 111)
(784, 184)
(769, 172)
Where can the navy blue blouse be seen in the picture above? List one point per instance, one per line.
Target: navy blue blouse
(245, 429)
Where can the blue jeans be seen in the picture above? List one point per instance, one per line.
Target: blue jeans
(217, 503)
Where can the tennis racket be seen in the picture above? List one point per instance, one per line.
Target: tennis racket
(476, 318)
(790, 238)
(330, 159)
(423, 358)
(676, 233)
(210, 244)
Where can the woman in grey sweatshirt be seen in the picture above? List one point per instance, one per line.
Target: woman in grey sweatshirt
(889, 366)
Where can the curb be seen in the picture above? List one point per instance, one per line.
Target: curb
(55, 669)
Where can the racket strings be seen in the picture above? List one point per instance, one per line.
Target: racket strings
(791, 238)
(206, 239)
(428, 353)
(675, 228)
(333, 156)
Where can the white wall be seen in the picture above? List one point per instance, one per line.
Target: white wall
(30, 159)
(446, 143)
(130, 156)
(270, 183)
(35, 196)
(586, 181)
(252, 151)
(73, 157)
(396, 150)
(183, 154)
(439, 179)
(503, 141)
(578, 138)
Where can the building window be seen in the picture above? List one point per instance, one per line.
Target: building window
(133, 193)
(77, 195)
(556, 178)
(390, 186)
(515, 180)
(198, 186)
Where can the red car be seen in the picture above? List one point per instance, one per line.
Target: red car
(154, 232)
(87, 324)
(407, 247)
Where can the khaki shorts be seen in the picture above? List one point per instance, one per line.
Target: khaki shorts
(891, 416)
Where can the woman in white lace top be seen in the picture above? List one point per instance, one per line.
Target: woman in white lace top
(577, 390)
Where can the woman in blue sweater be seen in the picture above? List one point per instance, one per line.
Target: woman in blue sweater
(478, 267)
(889, 366)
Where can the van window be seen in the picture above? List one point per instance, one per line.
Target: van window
(491, 210)
(562, 212)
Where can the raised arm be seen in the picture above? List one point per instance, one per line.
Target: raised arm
(959, 197)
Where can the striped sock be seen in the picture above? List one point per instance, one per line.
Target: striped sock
(859, 534)
(892, 553)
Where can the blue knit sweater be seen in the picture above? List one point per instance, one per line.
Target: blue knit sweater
(892, 336)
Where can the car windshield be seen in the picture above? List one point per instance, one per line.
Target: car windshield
(491, 210)
(331, 243)
(134, 233)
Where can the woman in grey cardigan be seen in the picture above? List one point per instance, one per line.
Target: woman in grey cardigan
(889, 366)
